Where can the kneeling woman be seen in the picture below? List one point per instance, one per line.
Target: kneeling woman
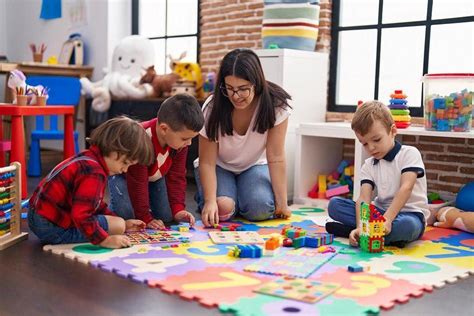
(242, 165)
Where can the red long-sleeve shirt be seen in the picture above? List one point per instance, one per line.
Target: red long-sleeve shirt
(169, 164)
(75, 195)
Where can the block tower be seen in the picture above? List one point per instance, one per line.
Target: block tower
(373, 230)
(399, 109)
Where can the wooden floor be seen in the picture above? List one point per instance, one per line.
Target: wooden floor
(35, 282)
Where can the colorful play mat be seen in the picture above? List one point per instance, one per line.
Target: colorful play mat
(203, 271)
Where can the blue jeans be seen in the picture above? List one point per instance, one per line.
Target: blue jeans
(407, 226)
(250, 190)
(121, 204)
(49, 233)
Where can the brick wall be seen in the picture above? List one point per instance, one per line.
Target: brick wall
(230, 24)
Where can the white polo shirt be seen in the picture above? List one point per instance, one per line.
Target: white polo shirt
(237, 153)
(385, 174)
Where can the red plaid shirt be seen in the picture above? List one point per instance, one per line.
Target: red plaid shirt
(75, 195)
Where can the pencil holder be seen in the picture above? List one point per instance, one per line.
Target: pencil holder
(21, 99)
(38, 57)
(41, 100)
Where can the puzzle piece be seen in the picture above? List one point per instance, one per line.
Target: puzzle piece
(213, 285)
(299, 263)
(421, 271)
(236, 237)
(309, 291)
(374, 289)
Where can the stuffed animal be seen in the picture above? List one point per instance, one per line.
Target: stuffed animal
(17, 81)
(452, 217)
(188, 72)
(131, 56)
(162, 84)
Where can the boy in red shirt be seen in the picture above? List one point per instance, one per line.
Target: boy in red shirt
(68, 207)
(156, 194)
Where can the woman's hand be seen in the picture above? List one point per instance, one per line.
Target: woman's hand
(210, 214)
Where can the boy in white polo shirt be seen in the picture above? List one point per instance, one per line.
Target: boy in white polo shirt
(395, 171)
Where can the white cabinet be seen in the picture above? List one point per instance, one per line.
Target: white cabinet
(304, 75)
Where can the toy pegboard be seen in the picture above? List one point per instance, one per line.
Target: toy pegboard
(304, 290)
(236, 237)
(155, 237)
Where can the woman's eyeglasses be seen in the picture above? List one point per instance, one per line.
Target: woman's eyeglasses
(241, 92)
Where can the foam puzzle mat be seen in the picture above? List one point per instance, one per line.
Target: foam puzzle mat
(202, 271)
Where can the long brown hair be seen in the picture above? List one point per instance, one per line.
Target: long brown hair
(244, 64)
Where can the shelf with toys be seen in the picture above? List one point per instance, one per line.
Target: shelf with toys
(319, 150)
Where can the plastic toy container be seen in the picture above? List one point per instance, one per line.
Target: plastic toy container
(448, 101)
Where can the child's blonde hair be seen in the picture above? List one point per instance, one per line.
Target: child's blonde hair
(368, 113)
(126, 137)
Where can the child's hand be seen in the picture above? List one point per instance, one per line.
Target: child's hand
(185, 216)
(388, 226)
(354, 237)
(134, 225)
(210, 214)
(116, 241)
(283, 212)
(156, 224)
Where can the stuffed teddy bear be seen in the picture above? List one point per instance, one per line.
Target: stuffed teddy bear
(452, 217)
(130, 59)
(161, 84)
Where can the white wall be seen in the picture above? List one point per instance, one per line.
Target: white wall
(105, 24)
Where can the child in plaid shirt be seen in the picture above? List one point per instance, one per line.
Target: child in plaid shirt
(68, 207)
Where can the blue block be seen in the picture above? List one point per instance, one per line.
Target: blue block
(355, 268)
(439, 103)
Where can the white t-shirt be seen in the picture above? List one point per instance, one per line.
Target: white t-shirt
(385, 175)
(237, 153)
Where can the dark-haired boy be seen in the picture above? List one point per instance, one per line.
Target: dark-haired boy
(156, 194)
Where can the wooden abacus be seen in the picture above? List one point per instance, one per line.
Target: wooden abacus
(10, 202)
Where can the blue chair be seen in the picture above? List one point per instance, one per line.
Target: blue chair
(62, 91)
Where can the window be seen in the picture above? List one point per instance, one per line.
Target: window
(171, 25)
(379, 46)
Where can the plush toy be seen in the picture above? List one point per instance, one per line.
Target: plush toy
(130, 59)
(162, 84)
(188, 72)
(17, 81)
(452, 217)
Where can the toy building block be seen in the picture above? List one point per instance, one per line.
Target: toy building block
(272, 243)
(293, 231)
(315, 240)
(355, 268)
(373, 231)
(287, 242)
(299, 242)
(337, 191)
(250, 251)
(322, 183)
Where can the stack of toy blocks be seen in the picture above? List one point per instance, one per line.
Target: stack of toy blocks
(313, 240)
(373, 230)
(399, 109)
(245, 251)
(339, 182)
(272, 246)
(293, 231)
(4, 223)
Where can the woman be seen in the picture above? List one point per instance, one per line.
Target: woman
(242, 163)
